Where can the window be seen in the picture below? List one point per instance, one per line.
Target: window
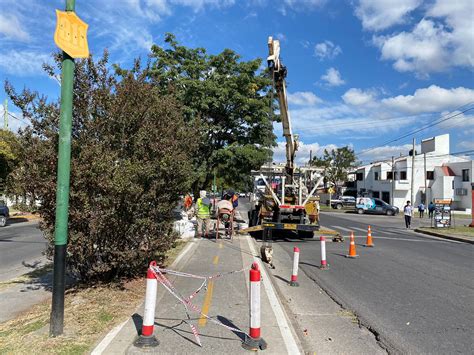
(376, 175)
(378, 203)
(376, 194)
(430, 175)
(389, 175)
(403, 175)
(465, 174)
(360, 176)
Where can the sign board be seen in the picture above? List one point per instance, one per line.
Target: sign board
(71, 34)
(442, 213)
(331, 190)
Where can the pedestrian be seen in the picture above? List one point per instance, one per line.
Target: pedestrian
(408, 212)
(203, 214)
(431, 208)
(188, 202)
(421, 209)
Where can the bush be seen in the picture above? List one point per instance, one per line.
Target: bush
(130, 161)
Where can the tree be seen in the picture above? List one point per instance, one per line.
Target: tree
(130, 161)
(336, 163)
(228, 101)
(10, 149)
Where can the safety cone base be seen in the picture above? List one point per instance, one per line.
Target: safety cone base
(294, 283)
(146, 342)
(352, 256)
(369, 245)
(254, 344)
(324, 267)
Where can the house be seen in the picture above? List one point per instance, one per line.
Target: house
(437, 174)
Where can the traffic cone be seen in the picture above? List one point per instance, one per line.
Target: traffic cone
(369, 242)
(352, 248)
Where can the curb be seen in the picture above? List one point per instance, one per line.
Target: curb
(444, 236)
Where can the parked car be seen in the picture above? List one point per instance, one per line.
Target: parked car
(4, 214)
(343, 202)
(375, 206)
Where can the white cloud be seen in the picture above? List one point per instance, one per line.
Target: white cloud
(23, 62)
(198, 5)
(333, 77)
(303, 152)
(11, 28)
(358, 97)
(15, 119)
(430, 99)
(303, 98)
(385, 152)
(381, 14)
(442, 39)
(326, 50)
(468, 145)
(458, 120)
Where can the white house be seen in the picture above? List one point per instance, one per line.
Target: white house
(447, 177)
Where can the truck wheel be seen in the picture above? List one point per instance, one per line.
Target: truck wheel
(3, 221)
(305, 234)
(360, 211)
(339, 206)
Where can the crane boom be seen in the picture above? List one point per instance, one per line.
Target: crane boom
(279, 71)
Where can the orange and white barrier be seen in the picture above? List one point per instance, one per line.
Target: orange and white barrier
(369, 242)
(324, 264)
(296, 261)
(352, 248)
(147, 339)
(254, 341)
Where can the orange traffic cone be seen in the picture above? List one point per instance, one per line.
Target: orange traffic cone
(369, 242)
(352, 248)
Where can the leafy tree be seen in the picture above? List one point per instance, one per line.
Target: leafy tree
(228, 101)
(336, 164)
(130, 162)
(10, 149)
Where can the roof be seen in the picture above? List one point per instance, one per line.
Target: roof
(447, 171)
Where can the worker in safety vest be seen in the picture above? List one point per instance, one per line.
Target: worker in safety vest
(203, 214)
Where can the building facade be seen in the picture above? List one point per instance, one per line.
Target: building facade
(433, 173)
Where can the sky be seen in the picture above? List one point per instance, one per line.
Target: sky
(371, 74)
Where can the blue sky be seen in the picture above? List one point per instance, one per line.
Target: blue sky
(360, 73)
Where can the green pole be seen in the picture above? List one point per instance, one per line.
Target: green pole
(62, 191)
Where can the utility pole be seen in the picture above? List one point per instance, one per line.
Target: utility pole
(393, 182)
(426, 182)
(5, 115)
(413, 174)
(62, 190)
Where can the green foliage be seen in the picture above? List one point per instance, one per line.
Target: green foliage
(336, 164)
(10, 149)
(130, 161)
(228, 101)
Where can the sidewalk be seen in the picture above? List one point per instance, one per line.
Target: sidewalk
(226, 300)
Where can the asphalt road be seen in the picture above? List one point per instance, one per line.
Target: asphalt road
(414, 292)
(21, 248)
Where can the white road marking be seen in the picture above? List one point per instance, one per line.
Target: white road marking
(359, 229)
(290, 342)
(108, 339)
(340, 228)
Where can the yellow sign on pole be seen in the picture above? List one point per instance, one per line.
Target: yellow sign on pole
(71, 34)
(331, 190)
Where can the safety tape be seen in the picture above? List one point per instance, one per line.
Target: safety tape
(186, 302)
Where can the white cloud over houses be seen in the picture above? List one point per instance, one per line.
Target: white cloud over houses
(326, 50)
(385, 152)
(381, 14)
(430, 99)
(303, 98)
(303, 152)
(333, 77)
(358, 97)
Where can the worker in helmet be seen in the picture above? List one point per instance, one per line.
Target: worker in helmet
(203, 214)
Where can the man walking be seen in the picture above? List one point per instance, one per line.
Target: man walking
(203, 214)
(431, 208)
(408, 212)
(421, 209)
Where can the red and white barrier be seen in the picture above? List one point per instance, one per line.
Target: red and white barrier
(324, 264)
(147, 339)
(254, 342)
(296, 261)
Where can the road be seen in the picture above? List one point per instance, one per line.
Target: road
(415, 292)
(21, 248)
